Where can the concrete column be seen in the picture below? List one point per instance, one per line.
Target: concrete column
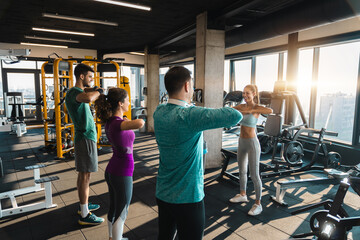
(210, 52)
(152, 81)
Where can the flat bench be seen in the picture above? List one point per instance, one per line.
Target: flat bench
(15, 209)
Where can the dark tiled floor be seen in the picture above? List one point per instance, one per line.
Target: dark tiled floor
(223, 220)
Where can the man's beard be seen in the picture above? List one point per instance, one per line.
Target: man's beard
(86, 85)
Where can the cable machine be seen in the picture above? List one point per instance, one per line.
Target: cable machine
(62, 74)
(61, 71)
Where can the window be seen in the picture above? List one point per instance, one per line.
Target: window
(39, 64)
(304, 79)
(2, 112)
(336, 89)
(110, 80)
(227, 76)
(266, 72)
(190, 67)
(162, 89)
(24, 83)
(49, 87)
(22, 65)
(284, 67)
(242, 74)
(133, 74)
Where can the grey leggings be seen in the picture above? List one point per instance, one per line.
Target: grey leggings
(120, 191)
(250, 147)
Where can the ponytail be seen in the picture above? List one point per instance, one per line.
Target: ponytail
(257, 97)
(106, 105)
(103, 108)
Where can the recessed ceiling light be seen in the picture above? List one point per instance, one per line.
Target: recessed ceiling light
(57, 16)
(43, 45)
(126, 4)
(61, 31)
(52, 39)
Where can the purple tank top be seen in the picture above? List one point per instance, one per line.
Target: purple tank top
(122, 160)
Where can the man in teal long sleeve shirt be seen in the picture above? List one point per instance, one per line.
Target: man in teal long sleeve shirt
(178, 132)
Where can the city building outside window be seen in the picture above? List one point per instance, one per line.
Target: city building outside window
(336, 89)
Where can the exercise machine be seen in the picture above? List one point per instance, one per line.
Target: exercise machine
(334, 222)
(61, 71)
(15, 100)
(288, 136)
(100, 67)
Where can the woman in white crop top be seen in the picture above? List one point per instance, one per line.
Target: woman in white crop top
(249, 147)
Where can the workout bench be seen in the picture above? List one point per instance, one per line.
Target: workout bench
(333, 177)
(15, 209)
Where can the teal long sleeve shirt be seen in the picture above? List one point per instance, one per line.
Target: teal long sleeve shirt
(178, 132)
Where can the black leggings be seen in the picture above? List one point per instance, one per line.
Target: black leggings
(120, 190)
(188, 219)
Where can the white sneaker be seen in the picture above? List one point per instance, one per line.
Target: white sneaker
(255, 210)
(239, 198)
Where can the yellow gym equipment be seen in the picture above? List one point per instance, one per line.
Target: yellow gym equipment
(61, 71)
(121, 82)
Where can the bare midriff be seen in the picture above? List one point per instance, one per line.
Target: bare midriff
(247, 132)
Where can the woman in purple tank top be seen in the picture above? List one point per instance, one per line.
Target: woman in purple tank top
(110, 109)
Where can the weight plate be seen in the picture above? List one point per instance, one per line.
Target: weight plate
(293, 152)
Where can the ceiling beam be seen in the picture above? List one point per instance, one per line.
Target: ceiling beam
(120, 50)
(177, 36)
(191, 29)
(235, 9)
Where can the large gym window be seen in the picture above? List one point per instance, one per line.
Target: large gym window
(162, 89)
(266, 71)
(336, 89)
(304, 80)
(24, 83)
(242, 74)
(22, 65)
(227, 75)
(133, 73)
(1, 94)
(134, 76)
(190, 67)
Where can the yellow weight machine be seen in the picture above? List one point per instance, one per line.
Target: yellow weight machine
(62, 72)
(121, 82)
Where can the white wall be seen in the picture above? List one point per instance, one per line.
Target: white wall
(258, 45)
(344, 26)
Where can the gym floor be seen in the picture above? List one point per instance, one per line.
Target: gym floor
(223, 220)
